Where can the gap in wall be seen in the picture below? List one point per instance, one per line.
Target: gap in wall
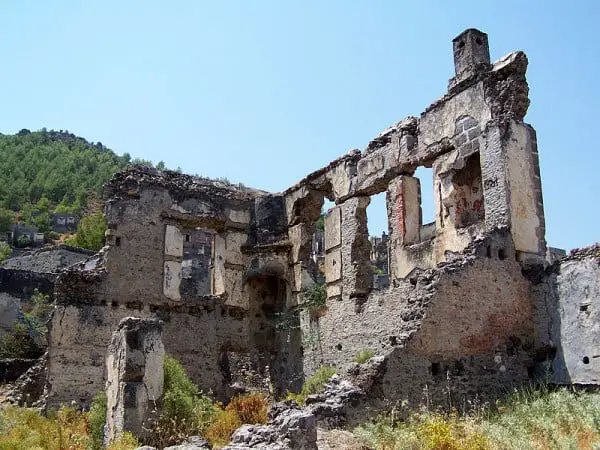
(425, 176)
(377, 219)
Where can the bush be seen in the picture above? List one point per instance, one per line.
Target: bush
(225, 423)
(5, 252)
(364, 355)
(97, 420)
(19, 343)
(315, 297)
(250, 408)
(184, 411)
(313, 384)
(22, 241)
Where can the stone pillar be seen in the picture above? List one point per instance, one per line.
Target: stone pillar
(512, 187)
(404, 218)
(134, 375)
(333, 252)
(356, 248)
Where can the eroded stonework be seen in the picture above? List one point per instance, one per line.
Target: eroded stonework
(469, 304)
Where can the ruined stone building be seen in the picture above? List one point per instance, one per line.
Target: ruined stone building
(472, 305)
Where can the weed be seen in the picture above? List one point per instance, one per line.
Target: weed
(313, 384)
(528, 419)
(364, 355)
(97, 420)
(250, 408)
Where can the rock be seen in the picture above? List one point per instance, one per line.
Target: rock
(330, 407)
(289, 428)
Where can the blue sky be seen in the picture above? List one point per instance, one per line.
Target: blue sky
(265, 92)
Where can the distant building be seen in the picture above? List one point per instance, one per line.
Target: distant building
(64, 222)
(31, 233)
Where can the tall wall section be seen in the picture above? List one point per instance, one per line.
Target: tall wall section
(458, 309)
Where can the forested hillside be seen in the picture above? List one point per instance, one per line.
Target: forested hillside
(53, 165)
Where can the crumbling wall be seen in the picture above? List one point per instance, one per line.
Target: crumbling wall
(568, 318)
(196, 254)
(135, 377)
(229, 270)
(458, 303)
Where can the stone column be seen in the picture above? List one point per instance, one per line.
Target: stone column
(356, 248)
(512, 187)
(134, 375)
(404, 220)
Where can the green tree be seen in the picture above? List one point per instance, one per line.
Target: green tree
(7, 218)
(90, 232)
(43, 222)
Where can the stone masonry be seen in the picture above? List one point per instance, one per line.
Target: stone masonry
(134, 382)
(470, 307)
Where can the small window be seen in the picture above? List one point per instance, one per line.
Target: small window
(118, 241)
(187, 238)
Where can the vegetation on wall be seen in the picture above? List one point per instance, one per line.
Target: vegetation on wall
(315, 297)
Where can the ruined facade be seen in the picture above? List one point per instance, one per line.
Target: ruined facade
(227, 269)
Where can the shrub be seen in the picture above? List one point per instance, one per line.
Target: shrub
(364, 355)
(19, 343)
(5, 251)
(225, 423)
(97, 420)
(184, 411)
(313, 384)
(22, 241)
(250, 408)
(315, 297)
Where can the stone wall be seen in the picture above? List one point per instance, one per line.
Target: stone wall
(465, 307)
(568, 318)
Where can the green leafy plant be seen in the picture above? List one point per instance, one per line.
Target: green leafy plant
(5, 251)
(90, 232)
(313, 384)
(22, 241)
(364, 355)
(315, 297)
(184, 411)
(97, 420)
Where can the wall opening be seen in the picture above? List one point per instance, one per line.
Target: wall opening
(197, 264)
(377, 224)
(275, 331)
(425, 176)
(317, 251)
(426, 202)
(468, 198)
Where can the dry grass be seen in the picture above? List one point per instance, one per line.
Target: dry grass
(243, 409)
(220, 431)
(26, 429)
(528, 419)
